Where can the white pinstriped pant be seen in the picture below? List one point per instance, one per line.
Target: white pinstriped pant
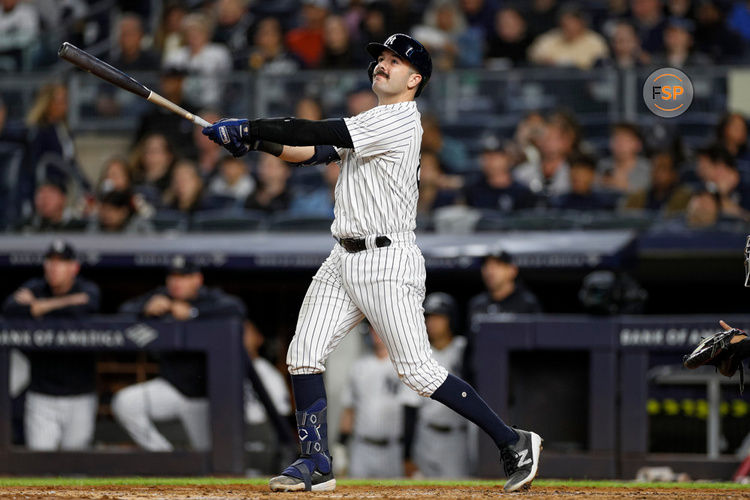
(59, 422)
(386, 285)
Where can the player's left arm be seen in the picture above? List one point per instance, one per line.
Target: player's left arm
(291, 139)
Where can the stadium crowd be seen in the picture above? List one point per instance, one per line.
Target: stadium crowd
(172, 177)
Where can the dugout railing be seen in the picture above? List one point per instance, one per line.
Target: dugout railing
(220, 340)
(584, 384)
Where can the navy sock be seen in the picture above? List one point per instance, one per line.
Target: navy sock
(464, 400)
(310, 397)
(307, 390)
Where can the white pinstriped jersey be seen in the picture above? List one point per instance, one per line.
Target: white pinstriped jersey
(377, 191)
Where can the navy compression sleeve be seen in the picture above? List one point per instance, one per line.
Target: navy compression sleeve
(298, 132)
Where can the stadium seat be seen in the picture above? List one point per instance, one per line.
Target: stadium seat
(227, 220)
(286, 222)
(169, 220)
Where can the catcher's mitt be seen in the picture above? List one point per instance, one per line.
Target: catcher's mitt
(719, 350)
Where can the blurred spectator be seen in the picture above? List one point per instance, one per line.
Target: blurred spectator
(207, 62)
(168, 38)
(116, 176)
(157, 120)
(272, 193)
(509, 39)
(681, 8)
(480, 14)
(666, 194)
(550, 174)
(153, 167)
(51, 210)
(626, 47)
(446, 35)
(496, 189)
(318, 201)
(268, 52)
(436, 189)
(273, 381)
(233, 22)
(115, 213)
(209, 153)
(571, 44)
(678, 45)
(372, 416)
(361, 99)
(731, 134)
(452, 152)
(648, 18)
(374, 25)
(130, 54)
(19, 30)
(732, 192)
(185, 192)
(233, 181)
(582, 195)
(308, 108)
(712, 36)
(703, 210)
(441, 441)
(51, 152)
(527, 137)
(306, 41)
(61, 403)
(739, 19)
(180, 390)
(505, 292)
(542, 16)
(626, 171)
(338, 52)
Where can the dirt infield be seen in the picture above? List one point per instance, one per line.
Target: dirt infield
(244, 491)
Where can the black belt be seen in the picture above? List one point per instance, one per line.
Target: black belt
(354, 245)
(444, 429)
(378, 442)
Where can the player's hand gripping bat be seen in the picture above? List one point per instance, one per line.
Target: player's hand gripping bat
(86, 61)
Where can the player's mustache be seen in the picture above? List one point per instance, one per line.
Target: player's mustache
(381, 72)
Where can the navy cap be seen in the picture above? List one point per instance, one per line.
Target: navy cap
(499, 254)
(181, 265)
(62, 250)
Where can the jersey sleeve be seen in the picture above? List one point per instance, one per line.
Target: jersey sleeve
(376, 134)
(347, 395)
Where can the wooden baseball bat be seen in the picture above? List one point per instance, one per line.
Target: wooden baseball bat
(97, 67)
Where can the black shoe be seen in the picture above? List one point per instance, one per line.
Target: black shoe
(521, 460)
(308, 481)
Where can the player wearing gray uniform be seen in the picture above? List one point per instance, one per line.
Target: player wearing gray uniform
(441, 442)
(373, 416)
(376, 269)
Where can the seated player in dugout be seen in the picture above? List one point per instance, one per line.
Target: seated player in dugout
(375, 269)
(179, 392)
(61, 403)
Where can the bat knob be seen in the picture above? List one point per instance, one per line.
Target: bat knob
(64, 49)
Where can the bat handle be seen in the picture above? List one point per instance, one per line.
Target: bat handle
(200, 121)
(167, 104)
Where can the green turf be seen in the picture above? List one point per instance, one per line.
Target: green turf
(155, 481)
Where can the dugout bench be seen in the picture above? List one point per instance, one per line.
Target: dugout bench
(220, 340)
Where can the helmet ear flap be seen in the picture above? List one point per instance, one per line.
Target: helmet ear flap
(371, 69)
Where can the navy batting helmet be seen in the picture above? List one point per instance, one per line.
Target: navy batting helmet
(442, 303)
(409, 49)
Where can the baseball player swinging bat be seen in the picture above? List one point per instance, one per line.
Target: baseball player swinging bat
(97, 67)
